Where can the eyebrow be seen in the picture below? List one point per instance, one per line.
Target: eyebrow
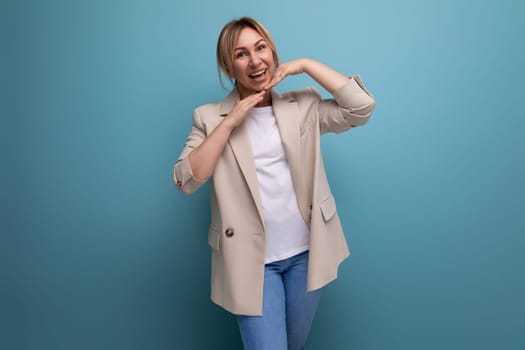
(256, 43)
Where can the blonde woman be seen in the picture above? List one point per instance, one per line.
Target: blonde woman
(275, 233)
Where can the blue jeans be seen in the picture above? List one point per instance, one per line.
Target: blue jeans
(288, 309)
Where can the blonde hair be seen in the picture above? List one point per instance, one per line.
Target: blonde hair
(228, 38)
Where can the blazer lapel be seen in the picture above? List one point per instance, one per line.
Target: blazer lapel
(285, 110)
(241, 146)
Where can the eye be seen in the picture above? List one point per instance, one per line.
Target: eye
(261, 47)
(240, 54)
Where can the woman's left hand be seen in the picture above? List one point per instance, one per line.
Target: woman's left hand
(284, 70)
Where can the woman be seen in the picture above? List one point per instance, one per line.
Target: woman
(275, 233)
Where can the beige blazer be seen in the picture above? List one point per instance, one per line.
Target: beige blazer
(237, 232)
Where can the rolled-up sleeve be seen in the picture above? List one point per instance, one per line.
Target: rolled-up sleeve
(182, 172)
(351, 106)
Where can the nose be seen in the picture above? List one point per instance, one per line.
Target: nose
(255, 60)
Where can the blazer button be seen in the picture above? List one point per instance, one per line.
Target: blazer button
(179, 183)
(229, 232)
(310, 207)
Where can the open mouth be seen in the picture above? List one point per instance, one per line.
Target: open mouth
(258, 74)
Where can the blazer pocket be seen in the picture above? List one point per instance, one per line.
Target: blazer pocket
(328, 208)
(214, 236)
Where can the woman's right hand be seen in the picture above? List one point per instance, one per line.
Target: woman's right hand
(203, 159)
(242, 107)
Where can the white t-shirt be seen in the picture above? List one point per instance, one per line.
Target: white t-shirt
(286, 232)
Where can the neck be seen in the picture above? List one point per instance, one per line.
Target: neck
(267, 100)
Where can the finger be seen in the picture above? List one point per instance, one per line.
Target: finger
(271, 83)
(279, 75)
(255, 96)
(253, 99)
(258, 98)
(274, 82)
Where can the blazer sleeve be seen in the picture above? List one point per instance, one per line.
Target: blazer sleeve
(182, 173)
(351, 106)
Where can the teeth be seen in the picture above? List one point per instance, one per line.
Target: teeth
(258, 74)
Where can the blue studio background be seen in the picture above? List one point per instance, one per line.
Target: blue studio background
(100, 251)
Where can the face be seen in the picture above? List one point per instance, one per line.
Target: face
(253, 62)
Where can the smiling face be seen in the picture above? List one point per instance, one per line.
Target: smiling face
(253, 62)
